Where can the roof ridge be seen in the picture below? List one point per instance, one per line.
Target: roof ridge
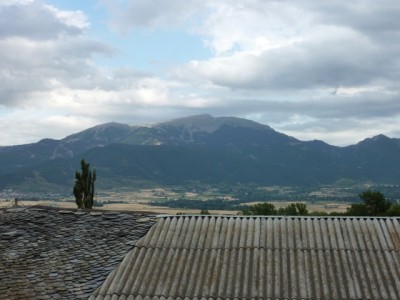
(271, 248)
(74, 210)
(278, 217)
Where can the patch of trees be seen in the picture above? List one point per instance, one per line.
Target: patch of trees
(293, 209)
(373, 204)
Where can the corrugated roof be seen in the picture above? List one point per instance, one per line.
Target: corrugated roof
(62, 254)
(222, 257)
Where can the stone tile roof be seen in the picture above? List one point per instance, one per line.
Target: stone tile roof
(222, 257)
(63, 254)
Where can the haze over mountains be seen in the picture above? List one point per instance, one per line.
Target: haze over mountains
(197, 148)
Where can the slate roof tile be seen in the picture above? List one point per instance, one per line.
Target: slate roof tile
(48, 253)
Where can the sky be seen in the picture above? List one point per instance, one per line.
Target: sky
(327, 70)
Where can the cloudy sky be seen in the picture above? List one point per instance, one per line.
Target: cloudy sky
(312, 69)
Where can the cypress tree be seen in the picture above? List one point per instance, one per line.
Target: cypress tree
(84, 186)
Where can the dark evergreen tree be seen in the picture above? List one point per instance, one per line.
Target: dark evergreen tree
(374, 204)
(84, 186)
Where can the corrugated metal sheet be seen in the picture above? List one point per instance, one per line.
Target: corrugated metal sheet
(221, 257)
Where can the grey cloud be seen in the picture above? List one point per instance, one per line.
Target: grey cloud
(368, 16)
(17, 85)
(341, 62)
(34, 70)
(361, 107)
(377, 21)
(34, 21)
(364, 107)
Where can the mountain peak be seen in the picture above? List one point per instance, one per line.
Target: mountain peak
(208, 123)
(380, 137)
(375, 139)
(190, 120)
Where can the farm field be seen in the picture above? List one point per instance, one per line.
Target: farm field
(215, 199)
(141, 206)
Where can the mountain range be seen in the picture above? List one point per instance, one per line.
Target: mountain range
(198, 148)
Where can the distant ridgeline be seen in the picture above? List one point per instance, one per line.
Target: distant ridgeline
(200, 149)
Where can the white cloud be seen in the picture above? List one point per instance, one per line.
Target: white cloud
(41, 45)
(75, 19)
(252, 26)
